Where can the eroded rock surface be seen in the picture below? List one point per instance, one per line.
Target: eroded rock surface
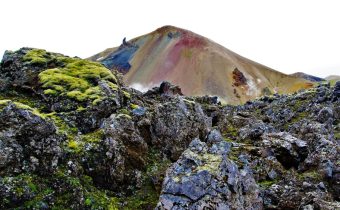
(73, 136)
(204, 177)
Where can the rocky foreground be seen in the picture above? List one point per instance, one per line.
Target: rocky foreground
(72, 136)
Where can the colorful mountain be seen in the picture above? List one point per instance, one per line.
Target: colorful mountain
(308, 77)
(195, 63)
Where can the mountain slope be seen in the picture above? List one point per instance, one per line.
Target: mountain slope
(198, 65)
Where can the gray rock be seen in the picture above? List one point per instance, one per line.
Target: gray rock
(205, 178)
(288, 150)
(325, 114)
(175, 124)
(25, 134)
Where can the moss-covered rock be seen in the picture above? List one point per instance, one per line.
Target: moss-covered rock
(78, 80)
(27, 133)
(72, 136)
(36, 56)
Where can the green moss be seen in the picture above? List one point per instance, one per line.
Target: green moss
(24, 98)
(337, 136)
(26, 184)
(311, 174)
(134, 106)
(78, 80)
(88, 202)
(143, 199)
(36, 56)
(230, 132)
(298, 117)
(38, 200)
(94, 137)
(62, 127)
(74, 145)
(4, 103)
(124, 111)
(124, 115)
(80, 109)
(332, 82)
(100, 200)
(147, 197)
(267, 183)
(126, 94)
(228, 140)
(80, 186)
(96, 101)
(50, 92)
(112, 86)
(26, 107)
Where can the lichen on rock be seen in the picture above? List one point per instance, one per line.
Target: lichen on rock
(73, 136)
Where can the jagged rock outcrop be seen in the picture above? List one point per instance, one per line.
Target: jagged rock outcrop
(28, 141)
(204, 177)
(175, 124)
(72, 136)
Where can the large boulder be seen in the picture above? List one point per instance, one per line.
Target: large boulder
(175, 124)
(28, 140)
(287, 149)
(205, 178)
(21, 68)
(325, 114)
(120, 157)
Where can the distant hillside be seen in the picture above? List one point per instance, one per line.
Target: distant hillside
(333, 79)
(308, 77)
(198, 65)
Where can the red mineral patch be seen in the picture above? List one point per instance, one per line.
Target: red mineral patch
(239, 78)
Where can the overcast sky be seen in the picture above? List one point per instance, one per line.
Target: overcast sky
(286, 35)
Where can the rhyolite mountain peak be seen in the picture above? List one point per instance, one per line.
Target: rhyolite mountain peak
(195, 63)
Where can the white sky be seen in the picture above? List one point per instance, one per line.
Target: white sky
(286, 35)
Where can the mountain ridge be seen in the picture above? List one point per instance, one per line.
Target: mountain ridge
(197, 64)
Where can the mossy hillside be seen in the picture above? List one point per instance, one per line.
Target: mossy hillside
(78, 80)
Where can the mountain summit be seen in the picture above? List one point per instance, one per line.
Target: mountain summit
(195, 63)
